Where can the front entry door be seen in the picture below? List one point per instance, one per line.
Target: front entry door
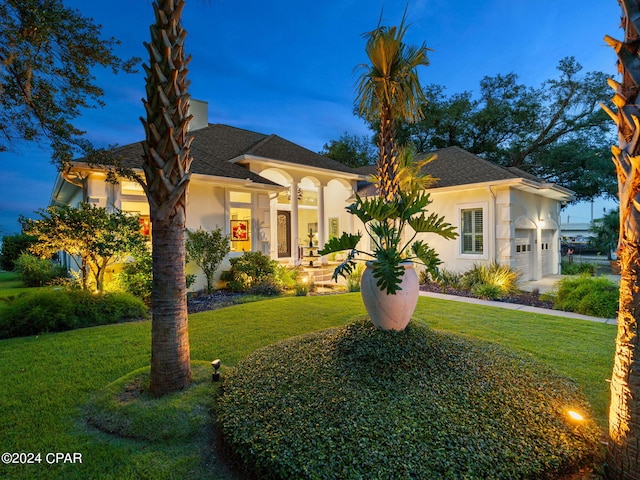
(284, 234)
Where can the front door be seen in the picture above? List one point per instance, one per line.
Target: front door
(284, 233)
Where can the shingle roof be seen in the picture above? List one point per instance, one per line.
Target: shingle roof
(454, 166)
(217, 148)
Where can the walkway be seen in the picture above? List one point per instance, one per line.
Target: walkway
(540, 284)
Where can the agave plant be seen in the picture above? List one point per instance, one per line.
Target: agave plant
(386, 222)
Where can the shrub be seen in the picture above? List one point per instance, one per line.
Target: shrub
(366, 403)
(207, 250)
(595, 296)
(577, 268)
(501, 277)
(448, 279)
(136, 277)
(355, 277)
(488, 291)
(253, 272)
(57, 310)
(37, 272)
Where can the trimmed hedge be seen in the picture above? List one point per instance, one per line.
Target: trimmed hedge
(48, 310)
(356, 402)
(595, 296)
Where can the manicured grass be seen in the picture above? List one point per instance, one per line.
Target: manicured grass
(10, 285)
(48, 380)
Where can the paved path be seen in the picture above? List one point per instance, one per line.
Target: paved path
(522, 308)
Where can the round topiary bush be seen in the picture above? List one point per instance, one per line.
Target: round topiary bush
(356, 402)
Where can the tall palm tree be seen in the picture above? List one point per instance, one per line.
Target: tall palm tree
(624, 412)
(389, 91)
(166, 165)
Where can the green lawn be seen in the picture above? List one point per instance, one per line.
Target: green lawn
(47, 380)
(11, 285)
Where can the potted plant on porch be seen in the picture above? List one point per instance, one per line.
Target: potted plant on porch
(389, 284)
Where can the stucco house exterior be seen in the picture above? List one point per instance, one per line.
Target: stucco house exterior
(276, 197)
(502, 214)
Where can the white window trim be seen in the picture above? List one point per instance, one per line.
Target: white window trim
(484, 206)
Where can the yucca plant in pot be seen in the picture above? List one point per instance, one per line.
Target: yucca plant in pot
(389, 285)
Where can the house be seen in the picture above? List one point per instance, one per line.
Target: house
(276, 197)
(269, 194)
(502, 214)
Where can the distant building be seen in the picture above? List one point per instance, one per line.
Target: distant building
(576, 236)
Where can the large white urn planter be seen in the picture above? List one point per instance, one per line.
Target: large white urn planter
(390, 312)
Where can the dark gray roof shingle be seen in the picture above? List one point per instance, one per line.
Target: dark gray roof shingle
(454, 166)
(216, 148)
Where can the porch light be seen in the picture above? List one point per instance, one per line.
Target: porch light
(216, 365)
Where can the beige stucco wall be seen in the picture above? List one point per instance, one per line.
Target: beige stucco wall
(504, 209)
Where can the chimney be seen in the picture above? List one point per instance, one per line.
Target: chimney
(200, 112)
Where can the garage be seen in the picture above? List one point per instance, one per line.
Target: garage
(546, 252)
(524, 253)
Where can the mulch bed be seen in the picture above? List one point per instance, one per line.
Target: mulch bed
(222, 298)
(522, 298)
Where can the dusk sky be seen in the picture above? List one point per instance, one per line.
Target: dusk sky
(287, 67)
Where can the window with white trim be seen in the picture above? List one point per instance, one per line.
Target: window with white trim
(472, 229)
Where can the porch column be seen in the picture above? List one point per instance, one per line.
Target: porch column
(294, 222)
(273, 221)
(322, 235)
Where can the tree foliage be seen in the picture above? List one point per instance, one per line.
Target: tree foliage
(352, 150)
(48, 52)
(12, 247)
(556, 131)
(93, 237)
(607, 230)
(207, 250)
(389, 92)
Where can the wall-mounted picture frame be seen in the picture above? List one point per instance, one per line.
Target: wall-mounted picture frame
(239, 230)
(334, 227)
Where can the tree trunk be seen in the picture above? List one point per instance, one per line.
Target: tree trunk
(387, 165)
(166, 164)
(623, 450)
(170, 358)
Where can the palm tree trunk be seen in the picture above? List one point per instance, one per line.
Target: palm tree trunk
(166, 164)
(623, 450)
(170, 357)
(387, 153)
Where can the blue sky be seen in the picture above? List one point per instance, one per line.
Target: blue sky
(287, 67)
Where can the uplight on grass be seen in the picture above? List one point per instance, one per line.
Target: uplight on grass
(575, 416)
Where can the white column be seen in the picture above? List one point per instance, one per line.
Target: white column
(322, 231)
(273, 220)
(294, 222)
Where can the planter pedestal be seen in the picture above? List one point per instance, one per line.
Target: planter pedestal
(390, 312)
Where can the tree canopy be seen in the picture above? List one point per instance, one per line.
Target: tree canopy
(389, 93)
(47, 54)
(93, 237)
(207, 250)
(556, 131)
(352, 150)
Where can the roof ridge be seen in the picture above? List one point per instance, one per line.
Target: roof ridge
(260, 143)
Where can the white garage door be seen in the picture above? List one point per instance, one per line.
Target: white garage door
(524, 253)
(546, 252)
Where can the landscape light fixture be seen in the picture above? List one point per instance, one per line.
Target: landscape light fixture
(575, 416)
(216, 365)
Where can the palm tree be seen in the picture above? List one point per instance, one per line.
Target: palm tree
(166, 164)
(389, 91)
(624, 413)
